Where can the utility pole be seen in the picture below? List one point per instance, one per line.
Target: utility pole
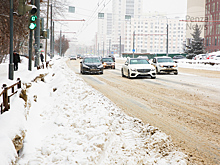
(53, 40)
(120, 48)
(46, 28)
(98, 49)
(11, 64)
(133, 43)
(30, 46)
(103, 49)
(37, 34)
(51, 33)
(167, 39)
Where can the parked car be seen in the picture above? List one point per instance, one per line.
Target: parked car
(200, 57)
(217, 57)
(179, 57)
(108, 63)
(165, 64)
(91, 65)
(212, 56)
(79, 56)
(113, 57)
(73, 57)
(137, 67)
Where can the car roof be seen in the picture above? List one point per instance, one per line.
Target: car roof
(162, 57)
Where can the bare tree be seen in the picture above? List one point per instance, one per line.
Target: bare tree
(21, 23)
(64, 45)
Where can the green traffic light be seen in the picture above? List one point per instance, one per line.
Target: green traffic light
(33, 18)
(32, 26)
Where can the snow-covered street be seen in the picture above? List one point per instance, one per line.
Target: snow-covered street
(69, 122)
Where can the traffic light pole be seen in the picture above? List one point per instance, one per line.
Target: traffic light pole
(30, 47)
(37, 34)
(51, 33)
(11, 64)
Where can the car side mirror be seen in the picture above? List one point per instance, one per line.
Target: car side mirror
(81, 62)
(126, 64)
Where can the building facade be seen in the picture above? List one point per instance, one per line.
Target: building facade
(148, 34)
(212, 31)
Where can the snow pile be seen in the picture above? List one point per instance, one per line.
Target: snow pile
(74, 124)
(69, 122)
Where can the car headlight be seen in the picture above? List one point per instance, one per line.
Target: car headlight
(113, 63)
(175, 65)
(133, 69)
(104, 63)
(161, 65)
(85, 66)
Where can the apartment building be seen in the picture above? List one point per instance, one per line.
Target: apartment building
(148, 34)
(212, 31)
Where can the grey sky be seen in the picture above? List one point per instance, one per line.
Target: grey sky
(88, 9)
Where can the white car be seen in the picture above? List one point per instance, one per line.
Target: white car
(137, 67)
(217, 57)
(165, 64)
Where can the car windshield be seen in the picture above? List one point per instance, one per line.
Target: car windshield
(107, 60)
(139, 61)
(161, 60)
(91, 60)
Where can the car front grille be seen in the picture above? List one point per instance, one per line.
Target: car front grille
(143, 70)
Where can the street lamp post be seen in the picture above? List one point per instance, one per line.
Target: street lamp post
(11, 65)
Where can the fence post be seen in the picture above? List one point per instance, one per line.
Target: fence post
(19, 84)
(5, 98)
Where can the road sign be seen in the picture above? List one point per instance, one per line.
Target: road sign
(133, 50)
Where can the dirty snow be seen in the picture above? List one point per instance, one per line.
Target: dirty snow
(69, 122)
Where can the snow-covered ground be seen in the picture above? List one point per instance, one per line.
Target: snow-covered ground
(68, 122)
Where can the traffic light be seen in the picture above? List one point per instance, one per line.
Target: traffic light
(32, 22)
(23, 7)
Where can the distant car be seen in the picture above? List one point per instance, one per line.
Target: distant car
(73, 57)
(113, 57)
(137, 67)
(179, 57)
(144, 57)
(165, 64)
(108, 63)
(91, 65)
(217, 57)
(211, 56)
(200, 57)
(79, 56)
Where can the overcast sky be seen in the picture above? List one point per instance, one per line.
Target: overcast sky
(88, 10)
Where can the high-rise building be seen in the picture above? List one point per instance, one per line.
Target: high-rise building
(212, 31)
(148, 34)
(120, 9)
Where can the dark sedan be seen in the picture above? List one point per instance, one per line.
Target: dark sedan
(108, 63)
(91, 65)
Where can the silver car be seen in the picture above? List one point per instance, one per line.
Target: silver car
(165, 64)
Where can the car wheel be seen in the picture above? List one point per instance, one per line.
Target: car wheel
(157, 71)
(122, 74)
(176, 73)
(153, 77)
(129, 74)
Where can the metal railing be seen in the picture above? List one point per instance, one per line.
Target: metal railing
(5, 105)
